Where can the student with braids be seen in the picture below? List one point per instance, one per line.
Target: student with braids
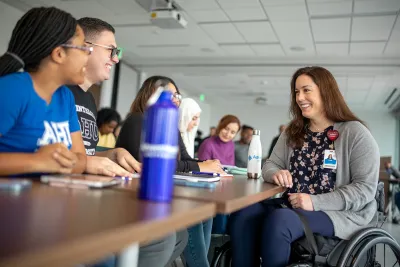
(39, 130)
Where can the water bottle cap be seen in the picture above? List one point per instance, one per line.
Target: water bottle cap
(165, 95)
(256, 132)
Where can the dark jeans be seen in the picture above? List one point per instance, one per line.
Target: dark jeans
(266, 230)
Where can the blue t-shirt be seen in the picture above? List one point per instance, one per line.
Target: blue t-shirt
(27, 122)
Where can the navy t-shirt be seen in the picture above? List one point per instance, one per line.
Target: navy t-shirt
(27, 122)
(87, 113)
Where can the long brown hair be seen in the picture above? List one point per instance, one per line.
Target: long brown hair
(148, 88)
(334, 104)
(225, 121)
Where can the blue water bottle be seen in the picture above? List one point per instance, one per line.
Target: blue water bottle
(159, 149)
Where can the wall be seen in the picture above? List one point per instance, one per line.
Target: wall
(381, 124)
(127, 89)
(8, 18)
(383, 127)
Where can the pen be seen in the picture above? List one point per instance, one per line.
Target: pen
(205, 173)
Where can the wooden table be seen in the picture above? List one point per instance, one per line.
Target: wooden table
(49, 226)
(231, 194)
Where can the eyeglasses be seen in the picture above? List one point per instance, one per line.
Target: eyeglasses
(115, 51)
(87, 49)
(177, 96)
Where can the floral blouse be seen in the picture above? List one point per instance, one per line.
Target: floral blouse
(306, 165)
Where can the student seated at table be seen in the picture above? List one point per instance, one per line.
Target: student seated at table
(337, 199)
(189, 121)
(107, 121)
(129, 138)
(39, 130)
(221, 146)
(101, 35)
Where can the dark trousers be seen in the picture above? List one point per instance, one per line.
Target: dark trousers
(266, 230)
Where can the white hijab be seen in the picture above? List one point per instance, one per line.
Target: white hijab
(187, 110)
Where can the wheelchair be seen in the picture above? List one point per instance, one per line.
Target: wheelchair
(360, 250)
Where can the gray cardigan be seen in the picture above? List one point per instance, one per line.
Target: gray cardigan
(352, 205)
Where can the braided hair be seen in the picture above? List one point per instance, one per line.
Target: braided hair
(34, 38)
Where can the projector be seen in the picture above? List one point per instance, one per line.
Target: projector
(168, 19)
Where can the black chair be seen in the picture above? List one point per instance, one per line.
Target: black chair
(360, 250)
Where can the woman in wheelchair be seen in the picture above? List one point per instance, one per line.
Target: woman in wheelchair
(329, 163)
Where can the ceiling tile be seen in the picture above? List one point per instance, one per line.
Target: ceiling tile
(246, 14)
(375, 6)
(393, 48)
(327, 1)
(126, 19)
(238, 50)
(176, 52)
(329, 8)
(396, 32)
(335, 49)
(123, 7)
(198, 5)
(159, 52)
(231, 4)
(270, 50)
(150, 35)
(255, 32)
(328, 30)
(367, 49)
(286, 13)
(372, 28)
(223, 33)
(356, 97)
(84, 9)
(359, 83)
(294, 34)
(282, 81)
(215, 15)
(268, 3)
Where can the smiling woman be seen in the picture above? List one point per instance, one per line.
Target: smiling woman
(39, 130)
(331, 178)
(221, 146)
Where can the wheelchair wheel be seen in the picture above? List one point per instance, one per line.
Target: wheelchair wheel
(222, 256)
(361, 249)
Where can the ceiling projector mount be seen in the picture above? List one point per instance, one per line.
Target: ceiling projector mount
(165, 14)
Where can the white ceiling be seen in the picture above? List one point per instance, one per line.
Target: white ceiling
(237, 50)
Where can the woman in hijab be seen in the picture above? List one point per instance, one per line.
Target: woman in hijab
(189, 120)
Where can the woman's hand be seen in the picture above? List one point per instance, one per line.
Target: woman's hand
(301, 201)
(126, 160)
(283, 178)
(211, 166)
(55, 158)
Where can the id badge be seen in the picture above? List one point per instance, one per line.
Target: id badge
(330, 161)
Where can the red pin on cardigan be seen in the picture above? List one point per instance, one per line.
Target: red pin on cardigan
(333, 135)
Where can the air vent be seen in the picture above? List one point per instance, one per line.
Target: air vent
(261, 101)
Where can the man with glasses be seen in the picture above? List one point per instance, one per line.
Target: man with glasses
(105, 53)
